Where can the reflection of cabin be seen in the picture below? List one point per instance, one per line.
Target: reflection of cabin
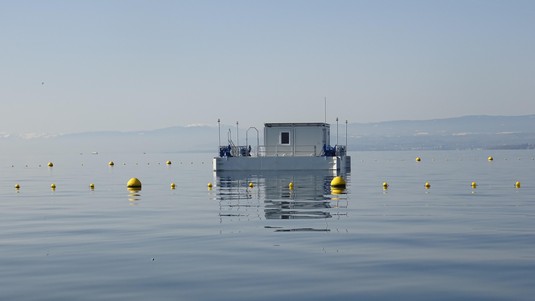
(295, 139)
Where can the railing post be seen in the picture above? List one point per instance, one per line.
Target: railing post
(346, 136)
(336, 130)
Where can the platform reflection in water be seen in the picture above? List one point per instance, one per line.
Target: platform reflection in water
(270, 196)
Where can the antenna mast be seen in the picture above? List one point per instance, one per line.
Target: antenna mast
(325, 109)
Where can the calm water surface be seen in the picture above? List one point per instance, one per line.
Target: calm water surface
(268, 242)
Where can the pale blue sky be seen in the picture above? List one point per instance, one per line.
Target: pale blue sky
(135, 65)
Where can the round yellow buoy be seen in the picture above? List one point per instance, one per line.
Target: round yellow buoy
(474, 184)
(209, 185)
(427, 185)
(50, 164)
(490, 158)
(251, 184)
(517, 184)
(173, 185)
(17, 186)
(385, 185)
(168, 162)
(291, 185)
(92, 186)
(134, 183)
(111, 163)
(53, 186)
(418, 159)
(338, 182)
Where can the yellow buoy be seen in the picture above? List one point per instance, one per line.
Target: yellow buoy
(209, 185)
(17, 186)
(134, 183)
(517, 184)
(92, 186)
(251, 184)
(173, 185)
(490, 158)
(291, 185)
(111, 163)
(385, 185)
(50, 164)
(427, 185)
(418, 159)
(168, 162)
(474, 184)
(338, 182)
(53, 186)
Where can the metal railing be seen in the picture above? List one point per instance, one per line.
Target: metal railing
(288, 150)
(279, 150)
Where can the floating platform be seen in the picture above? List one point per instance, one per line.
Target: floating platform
(287, 146)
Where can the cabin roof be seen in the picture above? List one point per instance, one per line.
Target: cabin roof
(296, 124)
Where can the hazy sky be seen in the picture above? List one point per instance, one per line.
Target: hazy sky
(71, 66)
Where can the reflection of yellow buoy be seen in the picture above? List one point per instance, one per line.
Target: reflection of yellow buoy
(418, 159)
(50, 164)
(335, 190)
(385, 185)
(134, 183)
(134, 195)
(53, 186)
(173, 186)
(427, 185)
(490, 158)
(17, 186)
(168, 162)
(251, 184)
(92, 186)
(338, 182)
(111, 163)
(474, 184)
(291, 185)
(517, 184)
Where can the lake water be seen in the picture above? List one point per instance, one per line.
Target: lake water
(234, 242)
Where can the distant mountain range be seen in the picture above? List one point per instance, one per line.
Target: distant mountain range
(468, 132)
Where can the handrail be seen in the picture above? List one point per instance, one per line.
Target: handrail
(234, 151)
(257, 137)
(288, 151)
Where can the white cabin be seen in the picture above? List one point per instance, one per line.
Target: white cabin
(295, 139)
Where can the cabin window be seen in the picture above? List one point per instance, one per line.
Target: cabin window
(285, 137)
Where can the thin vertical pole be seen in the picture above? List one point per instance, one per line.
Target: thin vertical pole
(336, 130)
(219, 127)
(325, 109)
(237, 134)
(346, 135)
